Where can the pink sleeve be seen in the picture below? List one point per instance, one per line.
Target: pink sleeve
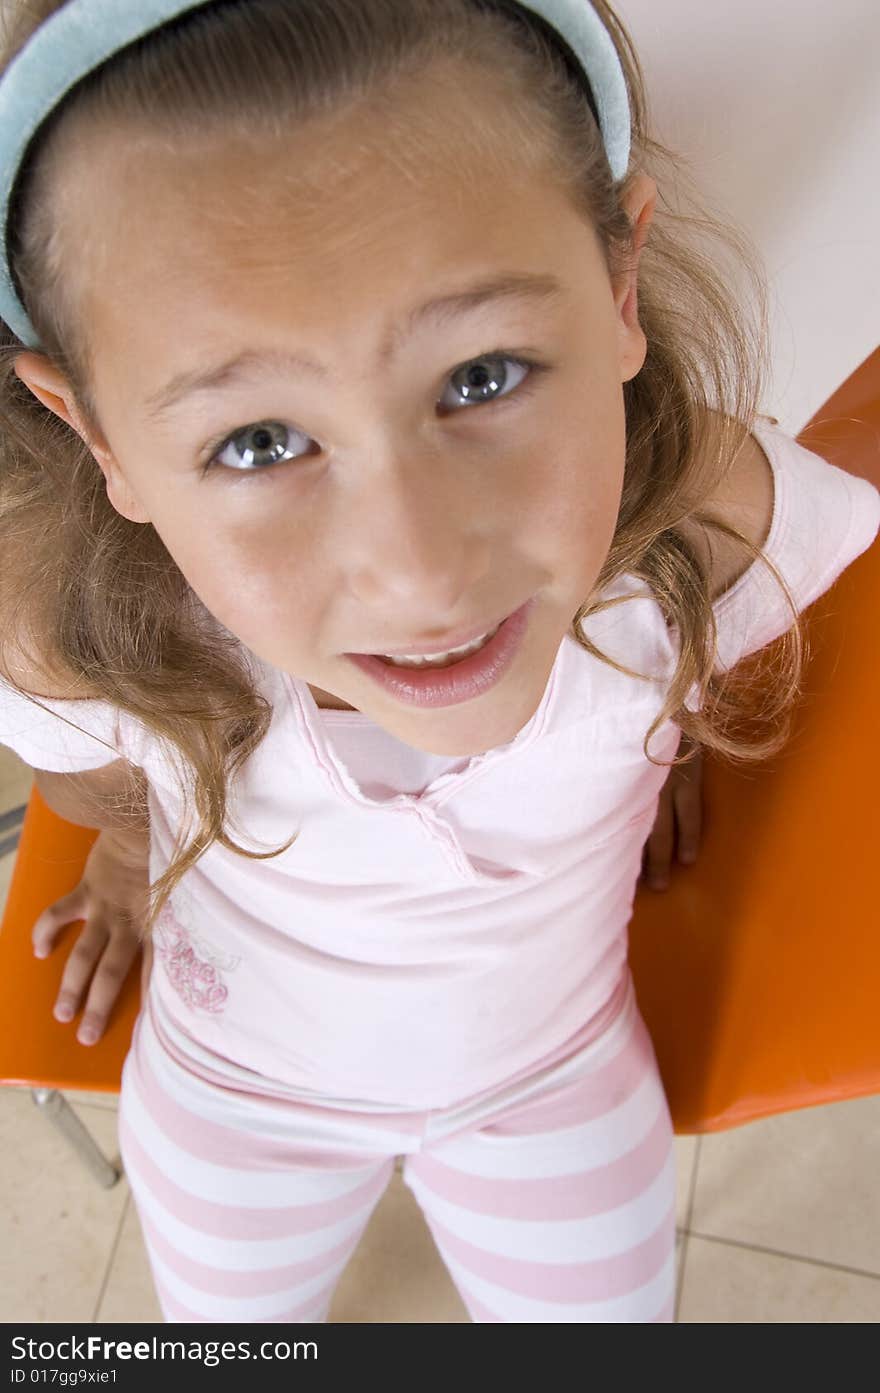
(45, 740)
(823, 518)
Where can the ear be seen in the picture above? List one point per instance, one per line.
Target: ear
(53, 389)
(639, 203)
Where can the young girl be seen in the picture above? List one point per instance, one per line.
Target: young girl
(343, 329)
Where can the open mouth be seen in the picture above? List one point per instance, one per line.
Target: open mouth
(454, 655)
(445, 679)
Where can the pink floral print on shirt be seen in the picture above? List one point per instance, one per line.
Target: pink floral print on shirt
(193, 967)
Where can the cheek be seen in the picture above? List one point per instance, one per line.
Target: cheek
(255, 590)
(574, 519)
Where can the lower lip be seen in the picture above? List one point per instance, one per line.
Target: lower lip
(462, 681)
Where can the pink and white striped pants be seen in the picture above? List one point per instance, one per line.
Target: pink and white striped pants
(551, 1200)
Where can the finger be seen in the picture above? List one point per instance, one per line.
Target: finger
(106, 986)
(689, 816)
(658, 849)
(52, 920)
(79, 967)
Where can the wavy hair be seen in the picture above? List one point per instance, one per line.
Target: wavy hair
(98, 601)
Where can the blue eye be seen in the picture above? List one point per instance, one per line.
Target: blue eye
(260, 444)
(257, 448)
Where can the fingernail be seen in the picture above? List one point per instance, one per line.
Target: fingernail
(658, 883)
(87, 1035)
(63, 1011)
(688, 857)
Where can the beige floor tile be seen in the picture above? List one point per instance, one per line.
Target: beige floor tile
(108, 1101)
(57, 1226)
(129, 1294)
(728, 1285)
(803, 1183)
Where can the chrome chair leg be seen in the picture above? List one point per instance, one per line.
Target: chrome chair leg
(56, 1107)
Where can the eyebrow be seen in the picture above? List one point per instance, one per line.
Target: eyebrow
(514, 286)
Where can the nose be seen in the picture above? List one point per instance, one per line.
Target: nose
(419, 542)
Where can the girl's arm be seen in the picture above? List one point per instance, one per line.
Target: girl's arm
(111, 798)
(744, 500)
(111, 897)
(679, 819)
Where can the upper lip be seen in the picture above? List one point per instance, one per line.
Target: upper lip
(443, 645)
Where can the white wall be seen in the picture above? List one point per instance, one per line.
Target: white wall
(776, 105)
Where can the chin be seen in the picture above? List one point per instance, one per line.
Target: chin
(460, 733)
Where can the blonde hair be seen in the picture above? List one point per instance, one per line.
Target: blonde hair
(99, 597)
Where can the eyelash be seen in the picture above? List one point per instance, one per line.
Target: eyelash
(525, 388)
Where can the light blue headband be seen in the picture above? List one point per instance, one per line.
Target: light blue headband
(84, 33)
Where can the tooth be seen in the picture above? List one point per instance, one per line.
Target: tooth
(440, 659)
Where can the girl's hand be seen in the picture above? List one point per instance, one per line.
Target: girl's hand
(112, 898)
(681, 803)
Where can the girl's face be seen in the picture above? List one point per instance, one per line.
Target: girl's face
(396, 514)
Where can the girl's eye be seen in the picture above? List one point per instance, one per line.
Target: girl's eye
(259, 447)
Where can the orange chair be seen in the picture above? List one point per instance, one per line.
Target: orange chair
(35, 1049)
(756, 972)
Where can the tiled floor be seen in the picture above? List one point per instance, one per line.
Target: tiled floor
(778, 1220)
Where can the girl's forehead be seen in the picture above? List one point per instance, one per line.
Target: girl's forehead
(232, 234)
(177, 214)
(422, 128)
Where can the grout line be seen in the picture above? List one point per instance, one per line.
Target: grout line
(682, 1263)
(112, 1256)
(693, 1192)
(780, 1253)
(686, 1227)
